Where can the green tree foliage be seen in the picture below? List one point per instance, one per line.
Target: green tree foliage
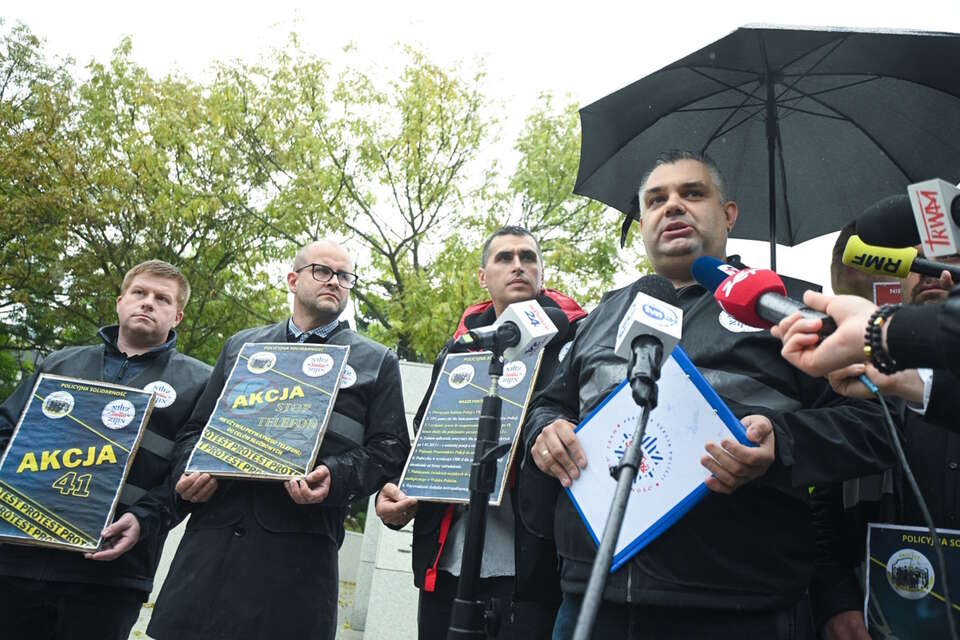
(110, 172)
(227, 178)
(388, 165)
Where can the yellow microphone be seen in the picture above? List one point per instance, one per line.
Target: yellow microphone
(884, 261)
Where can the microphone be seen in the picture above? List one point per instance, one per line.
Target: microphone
(892, 262)
(647, 334)
(936, 209)
(888, 223)
(755, 297)
(929, 214)
(521, 330)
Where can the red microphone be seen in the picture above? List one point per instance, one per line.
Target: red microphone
(740, 295)
(755, 297)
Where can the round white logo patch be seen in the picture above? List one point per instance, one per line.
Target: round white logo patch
(261, 362)
(348, 378)
(166, 394)
(657, 461)
(57, 404)
(461, 376)
(730, 323)
(319, 364)
(513, 374)
(117, 414)
(910, 574)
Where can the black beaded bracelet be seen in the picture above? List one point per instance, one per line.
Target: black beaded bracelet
(873, 339)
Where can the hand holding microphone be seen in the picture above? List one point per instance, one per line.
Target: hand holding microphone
(802, 346)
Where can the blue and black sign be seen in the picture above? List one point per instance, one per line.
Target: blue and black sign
(439, 465)
(270, 418)
(70, 453)
(905, 595)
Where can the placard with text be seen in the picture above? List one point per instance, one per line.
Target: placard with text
(438, 468)
(61, 475)
(904, 598)
(273, 411)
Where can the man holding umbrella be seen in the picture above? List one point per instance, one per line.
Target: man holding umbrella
(738, 564)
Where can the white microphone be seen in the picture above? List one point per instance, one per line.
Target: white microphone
(650, 315)
(936, 210)
(521, 330)
(649, 331)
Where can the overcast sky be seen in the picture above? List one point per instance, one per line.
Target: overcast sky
(586, 49)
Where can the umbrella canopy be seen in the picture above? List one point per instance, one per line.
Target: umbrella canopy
(808, 126)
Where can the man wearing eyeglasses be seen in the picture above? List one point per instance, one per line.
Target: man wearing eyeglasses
(259, 558)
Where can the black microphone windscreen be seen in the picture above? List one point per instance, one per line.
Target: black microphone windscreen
(560, 320)
(889, 223)
(657, 287)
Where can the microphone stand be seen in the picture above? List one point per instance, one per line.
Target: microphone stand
(644, 372)
(468, 618)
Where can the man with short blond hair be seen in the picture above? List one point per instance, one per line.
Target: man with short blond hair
(47, 593)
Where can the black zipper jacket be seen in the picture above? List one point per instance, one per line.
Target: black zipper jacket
(750, 550)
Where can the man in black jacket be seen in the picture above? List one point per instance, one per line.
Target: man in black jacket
(519, 570)
(738, 564)
(47, 593)
(259, 558)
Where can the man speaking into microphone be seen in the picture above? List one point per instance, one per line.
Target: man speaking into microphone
(518, 570)
(738, 564)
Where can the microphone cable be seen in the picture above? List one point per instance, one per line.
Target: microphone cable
(927, 518)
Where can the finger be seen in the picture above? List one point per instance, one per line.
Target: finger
(734, 468)
(560, 473)
(779, 330)
(570, 442)
(815, 299)
(719, 473)
(198, 485)
(747, 458)
(208, 490)
(393, 492)
(717, 487)
(560, 456)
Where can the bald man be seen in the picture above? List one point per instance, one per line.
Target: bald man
(259, 558)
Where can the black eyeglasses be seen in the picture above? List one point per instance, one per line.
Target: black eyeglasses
(323, 273)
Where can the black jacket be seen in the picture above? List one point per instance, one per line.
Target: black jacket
(533, 495)
(927, 335)
(750, 550)
(252, 562)
(365, 444)
(148, 491)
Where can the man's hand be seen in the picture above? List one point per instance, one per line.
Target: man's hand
(394, 507)
(846, 625)
(118, 538)
(905, 384)
(733, 464)
(313, 489)
(196, 487)
(557, 452)
(843, 347)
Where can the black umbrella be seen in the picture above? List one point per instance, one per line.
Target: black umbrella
(809, 126)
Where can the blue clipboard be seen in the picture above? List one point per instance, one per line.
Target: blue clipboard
(688, 407)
